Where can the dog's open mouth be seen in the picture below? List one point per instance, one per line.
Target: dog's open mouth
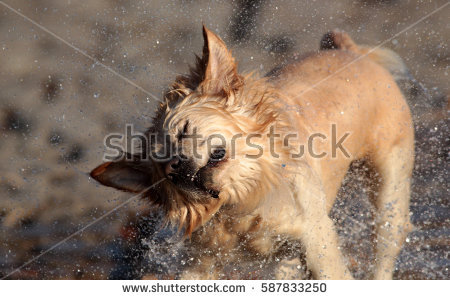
(193, 182)
(200, 185)
(213, 193)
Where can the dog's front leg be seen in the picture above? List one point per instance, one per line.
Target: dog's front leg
(323, 255)
(317, 232)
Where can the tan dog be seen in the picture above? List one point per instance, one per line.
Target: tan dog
(243, 187)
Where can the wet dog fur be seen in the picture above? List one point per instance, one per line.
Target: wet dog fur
(241, 207)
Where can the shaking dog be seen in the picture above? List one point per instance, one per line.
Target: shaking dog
(245, 165)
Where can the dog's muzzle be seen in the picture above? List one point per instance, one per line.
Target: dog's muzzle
(184, 175)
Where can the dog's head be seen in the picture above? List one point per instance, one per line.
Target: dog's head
(208, 141)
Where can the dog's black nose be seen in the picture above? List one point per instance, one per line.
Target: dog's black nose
(172, 166)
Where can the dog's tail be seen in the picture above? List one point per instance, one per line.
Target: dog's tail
(385, 57)
(417, 95)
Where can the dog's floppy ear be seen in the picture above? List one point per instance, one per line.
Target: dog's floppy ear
(217, 65)
(126, 175)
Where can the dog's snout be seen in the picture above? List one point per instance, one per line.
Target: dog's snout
(172, 166)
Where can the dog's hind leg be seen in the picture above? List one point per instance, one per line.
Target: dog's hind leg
(392, 205)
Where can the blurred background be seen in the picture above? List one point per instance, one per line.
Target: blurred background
(57, 105)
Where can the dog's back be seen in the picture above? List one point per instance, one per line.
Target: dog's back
(356, 94)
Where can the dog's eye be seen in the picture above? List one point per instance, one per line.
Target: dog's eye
(217, 154)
